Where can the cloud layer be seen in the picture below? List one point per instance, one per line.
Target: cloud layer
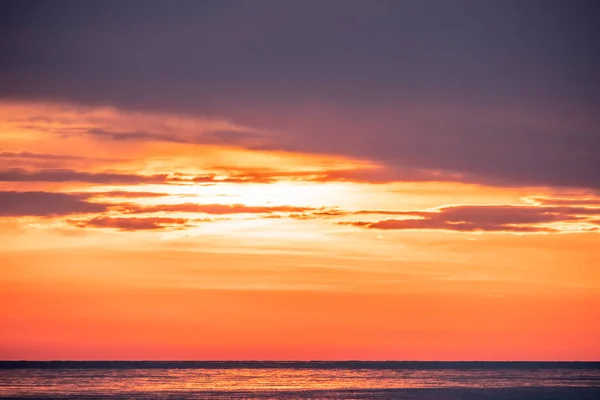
(500, 94)
(459, 218)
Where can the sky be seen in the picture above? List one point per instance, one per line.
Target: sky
(297, 180)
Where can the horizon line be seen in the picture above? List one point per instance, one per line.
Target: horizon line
(298, 360)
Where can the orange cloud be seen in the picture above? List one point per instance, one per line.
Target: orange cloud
(131, 224)
(359, 174)
(210, 209)
(125, 194)
(567, 201)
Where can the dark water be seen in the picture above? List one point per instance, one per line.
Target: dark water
(299, 380)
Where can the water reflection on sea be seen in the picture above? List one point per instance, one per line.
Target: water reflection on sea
(332, 381)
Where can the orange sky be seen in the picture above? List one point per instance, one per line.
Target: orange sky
(129, 235)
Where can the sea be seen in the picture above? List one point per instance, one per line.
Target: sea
(409, 380)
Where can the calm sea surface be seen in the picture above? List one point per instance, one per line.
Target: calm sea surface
(299, 380)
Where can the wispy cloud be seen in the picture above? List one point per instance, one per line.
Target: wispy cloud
(109, 124)
(502, 218)
(566, 201)
(216, 209)
(374, 174)
(47, 156)
(69, 175)
(125, 194)
(132, 224)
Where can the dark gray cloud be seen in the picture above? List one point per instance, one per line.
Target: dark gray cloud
(18, 204)
(502, 218)
(504, 92)
(69, 175)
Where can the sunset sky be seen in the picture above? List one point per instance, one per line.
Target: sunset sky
(311, 179)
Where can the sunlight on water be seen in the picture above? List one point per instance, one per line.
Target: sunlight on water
(274, 382)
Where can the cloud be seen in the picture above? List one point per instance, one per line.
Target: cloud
(125, 194)
(502, 218)
(388, 175)
(69, 175)
(257, 175)
(205, 136)
(567, 202)
(11, 159)
(373, 174)
(132, 224)
(45, 156)
(108, 124)
(17, 204)
(231, 175)
(233, 136)
(465, 88)
(217, 209)
(132, 136)
(460, 218)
